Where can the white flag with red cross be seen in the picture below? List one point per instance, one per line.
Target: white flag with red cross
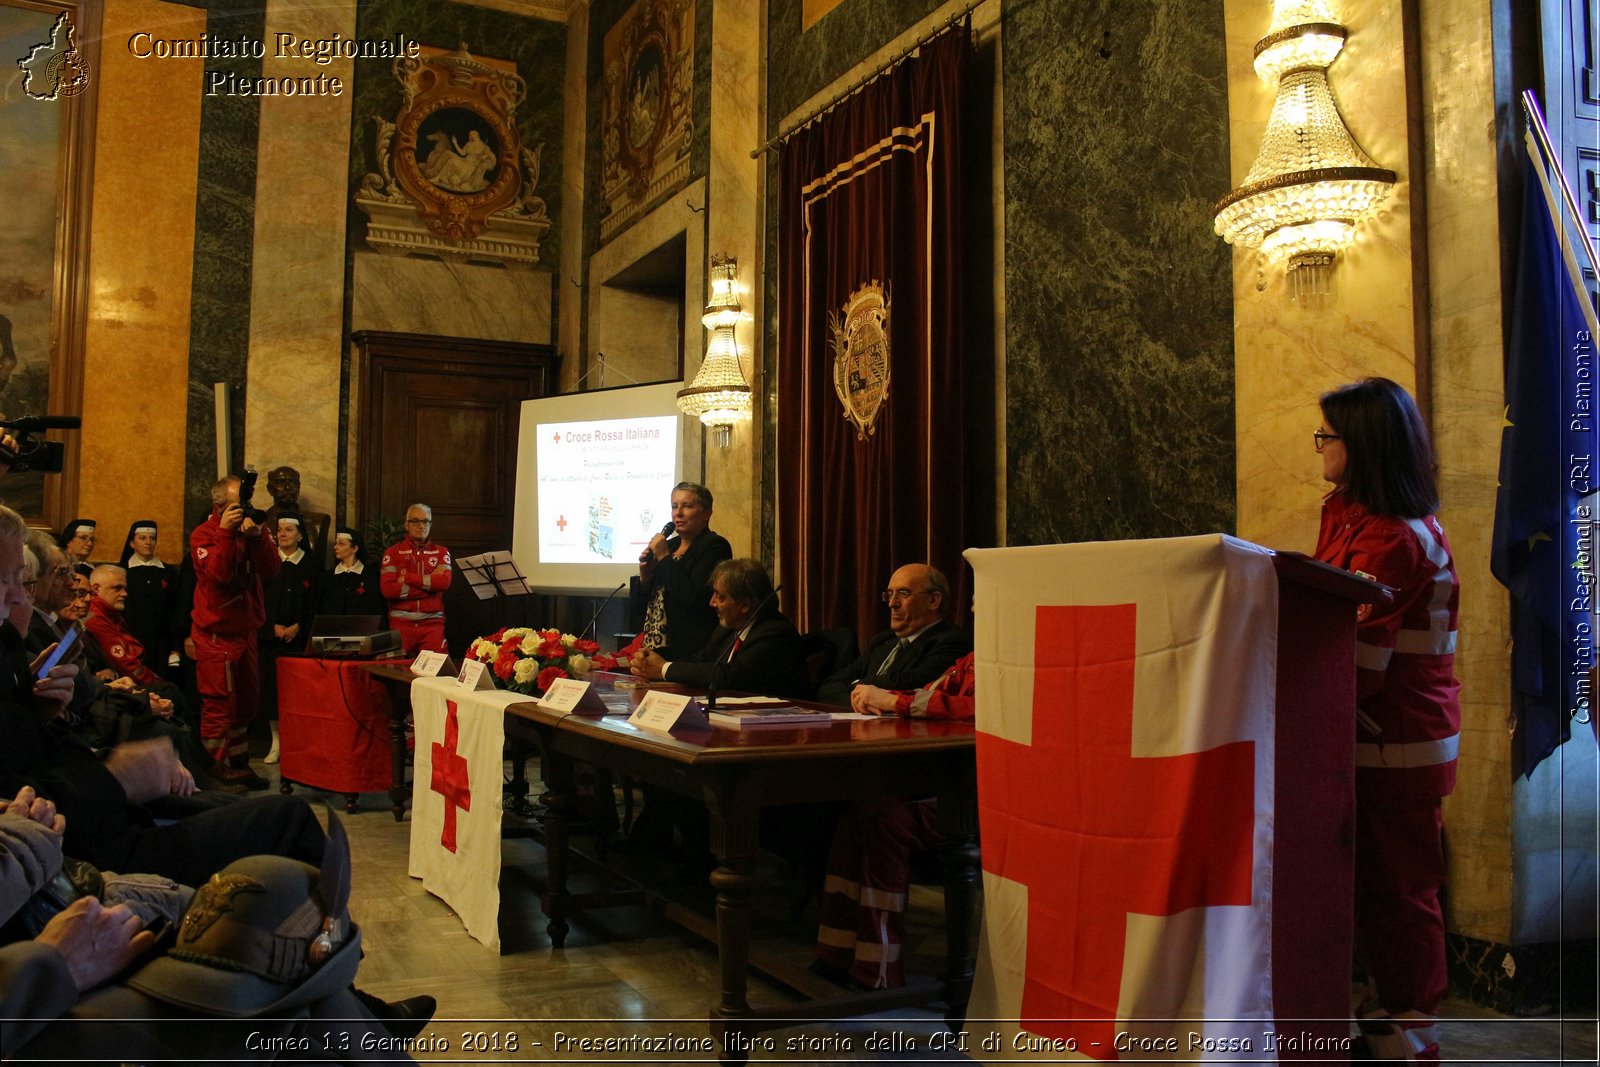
(456, 785)
(1125, 786)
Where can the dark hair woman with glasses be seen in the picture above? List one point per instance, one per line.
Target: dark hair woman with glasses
(673, 590)
(1378, 522)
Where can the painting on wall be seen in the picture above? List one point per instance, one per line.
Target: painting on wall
(646, 117)
(46, 99)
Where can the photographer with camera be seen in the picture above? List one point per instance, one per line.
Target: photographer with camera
(230, 560)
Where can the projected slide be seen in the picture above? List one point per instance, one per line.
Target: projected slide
(604, 487)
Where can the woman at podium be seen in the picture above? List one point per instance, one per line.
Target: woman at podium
(1378, 522)
(673, 589)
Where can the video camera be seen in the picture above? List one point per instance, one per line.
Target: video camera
(33, 454)
(247, 490)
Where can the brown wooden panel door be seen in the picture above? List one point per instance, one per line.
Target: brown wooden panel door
(436, 422)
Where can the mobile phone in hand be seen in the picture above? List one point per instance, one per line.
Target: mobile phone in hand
(66, 642)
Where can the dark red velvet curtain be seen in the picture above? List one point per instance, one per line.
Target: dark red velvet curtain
(871, 195)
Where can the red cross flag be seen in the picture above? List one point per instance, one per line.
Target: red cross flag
(455, 799)
(1125, 782)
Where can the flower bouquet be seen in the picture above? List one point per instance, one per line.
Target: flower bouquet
(526, 660)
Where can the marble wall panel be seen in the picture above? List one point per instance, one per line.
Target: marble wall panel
(411, 294)
(224, 214)
(297, 277)
(806, 56)
(1458, 109)
(1119, 351)
(569, 283)
(733, 221)
(135, 357)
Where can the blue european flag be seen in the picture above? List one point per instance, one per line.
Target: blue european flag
(1542, 550)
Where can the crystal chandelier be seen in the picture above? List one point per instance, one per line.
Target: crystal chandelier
(1311, 183)
(719, 394)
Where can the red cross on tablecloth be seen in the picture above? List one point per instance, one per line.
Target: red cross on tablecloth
(1096, 833)
(450, 775)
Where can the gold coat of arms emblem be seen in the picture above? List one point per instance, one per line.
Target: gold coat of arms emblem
(861, 355)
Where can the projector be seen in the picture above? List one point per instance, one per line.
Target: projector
(351, 636)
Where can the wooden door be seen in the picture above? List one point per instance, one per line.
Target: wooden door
(436, 422)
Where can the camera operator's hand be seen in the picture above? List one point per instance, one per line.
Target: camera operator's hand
(250, 528)
(8, 450)
(231, 517)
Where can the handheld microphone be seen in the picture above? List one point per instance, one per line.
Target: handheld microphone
(620, 587)
(716, 668)
(666, 531)
(35, 423)
(669, 529)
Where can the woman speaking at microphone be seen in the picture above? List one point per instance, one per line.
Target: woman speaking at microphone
(1378, 522)
(674, 584)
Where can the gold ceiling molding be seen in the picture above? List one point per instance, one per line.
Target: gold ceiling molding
(554, 10)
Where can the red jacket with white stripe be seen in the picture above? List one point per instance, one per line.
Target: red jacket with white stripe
(1408, 718)
(408, 579)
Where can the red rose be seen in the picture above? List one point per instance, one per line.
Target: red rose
(585, 647)
(548, 675)
(504, 666)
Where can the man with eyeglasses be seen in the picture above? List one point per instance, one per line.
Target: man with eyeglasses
(413, 577)
(919, 645)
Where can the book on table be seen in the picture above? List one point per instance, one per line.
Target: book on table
(771, 715)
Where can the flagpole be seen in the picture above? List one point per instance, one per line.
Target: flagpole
(1540, 132)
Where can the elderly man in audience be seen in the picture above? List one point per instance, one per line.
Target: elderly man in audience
(109, 625)
(918, 646)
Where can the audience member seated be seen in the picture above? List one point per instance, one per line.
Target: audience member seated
(861, 921)
(349, 588)
(754, 648)
(109, 626)
(152, 598)
(268, 939)
(918, 646)
(101, 797)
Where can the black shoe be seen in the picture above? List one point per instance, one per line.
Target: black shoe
(235, 779)
(404, 1019)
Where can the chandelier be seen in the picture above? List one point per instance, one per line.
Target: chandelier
(1311, 183)
(719, 395)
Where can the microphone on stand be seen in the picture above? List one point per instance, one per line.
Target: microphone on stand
(716, 668)
(620, 587)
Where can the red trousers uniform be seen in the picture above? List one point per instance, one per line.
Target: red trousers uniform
(418, 635)
(228, 610)
(227, 672)
(1408, 722)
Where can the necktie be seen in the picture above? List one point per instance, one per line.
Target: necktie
(737, 641)
(893, 652)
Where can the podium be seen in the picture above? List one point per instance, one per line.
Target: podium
(1166, 792)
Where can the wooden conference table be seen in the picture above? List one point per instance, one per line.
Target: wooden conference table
(737, 773)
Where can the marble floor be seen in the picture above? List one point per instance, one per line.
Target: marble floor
(624, 972)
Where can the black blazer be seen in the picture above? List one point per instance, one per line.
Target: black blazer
(685, 582)
(771, 661)
(929, 656)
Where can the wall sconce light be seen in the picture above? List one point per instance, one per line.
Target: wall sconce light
(719, 395)
(1311, 183)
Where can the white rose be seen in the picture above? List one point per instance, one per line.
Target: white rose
(486, 650)
(531, 643)
(568, 641)
(578, 666)
(526, 670)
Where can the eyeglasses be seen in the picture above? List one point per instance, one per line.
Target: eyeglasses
(891, 595)
(82, 594)
(1319, 439)
(419, 522)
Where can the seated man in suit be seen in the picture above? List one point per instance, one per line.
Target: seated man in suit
(918, 646)
(754, 648)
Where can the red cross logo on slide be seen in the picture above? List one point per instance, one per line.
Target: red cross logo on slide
(1097, 834)
(561, 522)
(450, 775)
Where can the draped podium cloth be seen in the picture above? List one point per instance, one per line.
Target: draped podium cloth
(456, 796)
(1126, 773)
(870, 200)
